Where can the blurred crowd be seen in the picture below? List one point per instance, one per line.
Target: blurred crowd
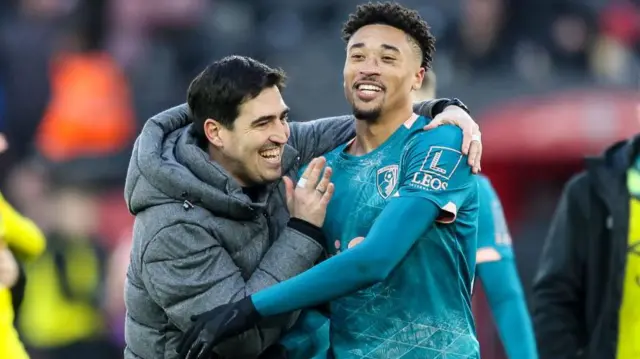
(78, 79)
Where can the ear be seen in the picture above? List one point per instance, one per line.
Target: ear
(212, 129)
(418, 78)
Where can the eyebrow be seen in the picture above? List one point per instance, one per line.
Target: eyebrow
(360, 45)
(390, 47)
(270, 117)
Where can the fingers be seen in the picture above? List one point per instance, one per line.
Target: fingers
(442, 119)
(314, 175)
(188, 339)
(289, 191)
(307, 171)
(324, 182)
(475, 156)
(310, 202)
(467, 132)
(207, 351)
(195, 350)
(470, 147)
(326, 196)
(288, 186)
(475, 150)
(433, 123)
(183, 348)
(467, 137)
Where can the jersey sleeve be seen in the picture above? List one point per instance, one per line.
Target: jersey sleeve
(433, 168)
(494, 240)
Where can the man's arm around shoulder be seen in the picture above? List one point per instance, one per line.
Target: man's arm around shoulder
(317, 137)
(186, 271)
(557, 288)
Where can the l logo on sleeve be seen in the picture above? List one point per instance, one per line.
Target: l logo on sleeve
(437, 168)
(441, 161)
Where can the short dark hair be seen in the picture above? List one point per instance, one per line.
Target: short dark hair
(219, 90)
(398, 16)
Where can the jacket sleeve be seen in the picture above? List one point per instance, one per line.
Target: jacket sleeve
(557, 288)
(317, 137)
(187, 272)
(430, 108)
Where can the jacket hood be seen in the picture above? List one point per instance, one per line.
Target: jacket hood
(618, 157)
(609, 171)
(167, 166)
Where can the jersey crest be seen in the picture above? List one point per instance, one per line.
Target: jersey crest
(387, 180)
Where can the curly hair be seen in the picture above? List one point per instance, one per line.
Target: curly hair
(398, 16)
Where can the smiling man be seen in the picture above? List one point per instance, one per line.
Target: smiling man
(406, 197)
(212, 223)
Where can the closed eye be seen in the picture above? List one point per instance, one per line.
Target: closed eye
(284, 116)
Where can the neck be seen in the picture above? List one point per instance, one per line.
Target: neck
(370, 135)
(219, 158)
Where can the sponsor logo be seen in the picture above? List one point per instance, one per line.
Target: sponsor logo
(428, 181)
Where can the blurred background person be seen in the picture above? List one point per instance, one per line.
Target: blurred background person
(548, 81)
(62, 315)
(88, 124)
(27, 33)
(495, 263)
(587, 288)
(20, 241)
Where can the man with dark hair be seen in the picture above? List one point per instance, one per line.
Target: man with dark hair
(215, 219)
(212, 224)
(402, 223)
(240, 146)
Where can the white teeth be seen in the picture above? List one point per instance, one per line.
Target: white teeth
(272, 153)
(369, 88)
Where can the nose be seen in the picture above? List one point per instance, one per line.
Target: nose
(280, 134)
(369, 67)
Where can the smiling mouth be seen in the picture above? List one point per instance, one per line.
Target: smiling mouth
(273, 154)
(367, 91)
(369, 88)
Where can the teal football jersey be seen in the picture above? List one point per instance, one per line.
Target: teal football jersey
(494, 240)
(423, 309)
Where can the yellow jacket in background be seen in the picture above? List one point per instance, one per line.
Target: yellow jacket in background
(27, 242)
